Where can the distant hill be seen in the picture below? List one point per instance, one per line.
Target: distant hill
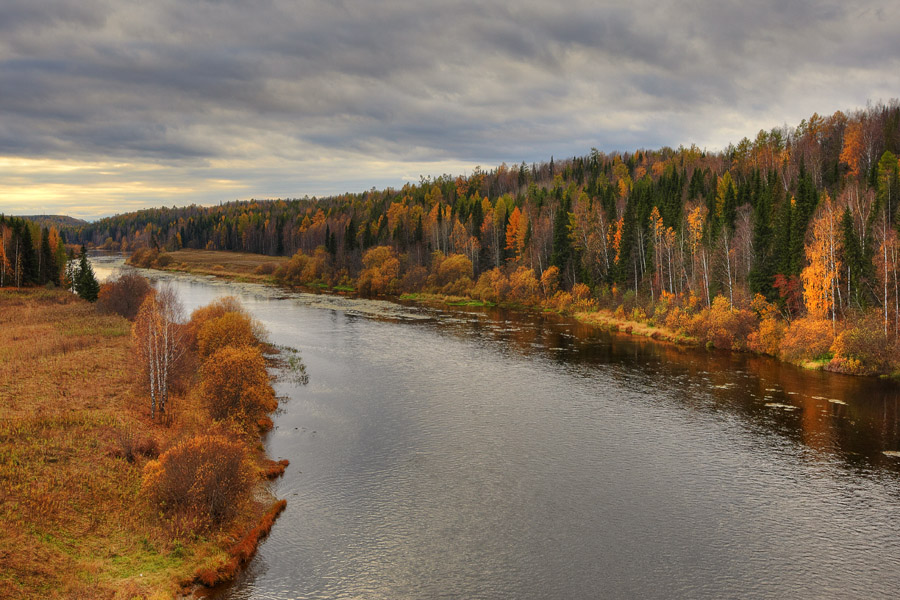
(55, 221)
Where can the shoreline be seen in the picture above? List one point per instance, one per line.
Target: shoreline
(240, 268)
(75, 438)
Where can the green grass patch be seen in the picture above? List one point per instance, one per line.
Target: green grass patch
(469, 303)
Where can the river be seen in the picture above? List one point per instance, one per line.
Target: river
(492, 454)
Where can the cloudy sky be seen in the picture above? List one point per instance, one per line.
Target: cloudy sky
(108, 106)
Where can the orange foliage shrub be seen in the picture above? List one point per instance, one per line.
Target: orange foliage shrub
(217, 309)
(492, 286)
(231, 329)
(550, 281)
(303, 268)
(864, 349)
(807, 339)
(768, 335)
(274, 469)
(581, 298)
(452, 274)
(381, 270)
(524, 286)
(144, 257)
(682, 320)
(727, 327)
(719, 325)
(561, 301)
(235, 385)
(266, 268)
(124, 295)
(202, 482)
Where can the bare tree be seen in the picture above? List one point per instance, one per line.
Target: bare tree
(160, 343)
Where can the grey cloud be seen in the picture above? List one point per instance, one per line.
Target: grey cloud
(400, 81)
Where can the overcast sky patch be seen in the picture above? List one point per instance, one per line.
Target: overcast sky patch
(377, 91)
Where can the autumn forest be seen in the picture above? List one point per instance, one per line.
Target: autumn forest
(785, 244)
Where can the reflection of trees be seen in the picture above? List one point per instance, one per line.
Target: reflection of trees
(866, 424)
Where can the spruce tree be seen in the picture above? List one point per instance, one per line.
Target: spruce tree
(46, 258)
(27, 256)
(86, 285)
(762, 271)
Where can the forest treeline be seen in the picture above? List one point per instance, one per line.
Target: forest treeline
(31, 254)
(800, 222)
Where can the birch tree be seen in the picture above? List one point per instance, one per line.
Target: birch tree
(160, 343)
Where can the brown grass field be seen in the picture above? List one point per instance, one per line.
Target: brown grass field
(72, 523)
(241, 266)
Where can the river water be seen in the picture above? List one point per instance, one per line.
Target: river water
(491, 454)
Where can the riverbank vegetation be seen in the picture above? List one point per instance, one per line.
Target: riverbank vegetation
(776, 241)
(105, 490)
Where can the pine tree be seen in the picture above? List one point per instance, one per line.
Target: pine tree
(859, 267)
(46, 258)
(562, 244)
(350, 236)
(28, 268)
(86, 285)
(762, 272)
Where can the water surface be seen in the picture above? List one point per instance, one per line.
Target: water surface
(489, 454)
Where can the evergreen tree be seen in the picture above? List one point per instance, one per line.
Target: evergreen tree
(350, 236)
(804, 206)
(562, 244)
(783, 236)
(46, 258)
(86, 285)
(858, 265)
(762, 272)
(28, 266)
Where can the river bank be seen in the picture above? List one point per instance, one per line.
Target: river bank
(504, 453)
(852, 348)
(75, 438)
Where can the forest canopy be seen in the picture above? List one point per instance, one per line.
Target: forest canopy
(804, 218)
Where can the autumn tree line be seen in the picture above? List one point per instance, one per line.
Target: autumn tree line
(31, 254)
(798, 225)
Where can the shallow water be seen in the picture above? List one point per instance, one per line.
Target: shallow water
(488, 454)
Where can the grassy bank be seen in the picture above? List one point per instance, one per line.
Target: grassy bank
(238, 266)
(75, 435)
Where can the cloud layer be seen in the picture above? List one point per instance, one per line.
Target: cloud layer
(204, 100)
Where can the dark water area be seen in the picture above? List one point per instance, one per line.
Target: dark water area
(492, 454)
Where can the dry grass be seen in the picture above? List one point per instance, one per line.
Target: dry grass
(606, 320)
(75, 435)
(242, 266)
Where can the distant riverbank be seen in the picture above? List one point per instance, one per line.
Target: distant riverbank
(805, 343)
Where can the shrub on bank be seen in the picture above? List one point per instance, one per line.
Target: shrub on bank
(807, 339)
(303, 268)
(231, 329)
(863, 348)
(235, 385)
(201, 482)
(124, 295)
(216, 310)
(380, 273)
(524, 286)
(492, 286)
